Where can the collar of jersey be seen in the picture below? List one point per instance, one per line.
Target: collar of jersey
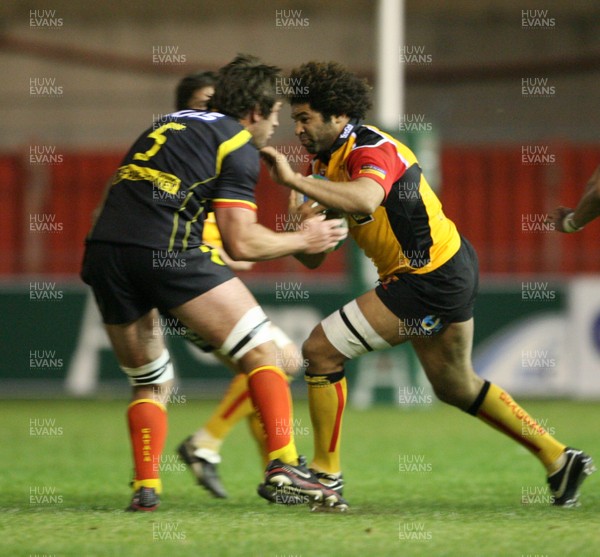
(345, 134)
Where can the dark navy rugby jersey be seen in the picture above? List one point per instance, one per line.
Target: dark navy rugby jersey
(175, 173)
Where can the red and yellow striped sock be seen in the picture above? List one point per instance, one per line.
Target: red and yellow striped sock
(327, 399)
(147, 420)
(235, 405)
(258, 431)
(271, 396)
(497, 408)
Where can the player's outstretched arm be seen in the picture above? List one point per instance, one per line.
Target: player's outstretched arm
(360, 196)
(566, 219)
(245, 239)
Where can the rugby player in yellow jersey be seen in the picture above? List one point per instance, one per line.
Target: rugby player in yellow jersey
(201, 451)
(428, 276)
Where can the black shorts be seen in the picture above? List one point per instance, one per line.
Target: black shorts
(433, 300)
(128, 281)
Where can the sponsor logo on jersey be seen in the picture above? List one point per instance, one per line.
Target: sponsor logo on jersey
(372, 169)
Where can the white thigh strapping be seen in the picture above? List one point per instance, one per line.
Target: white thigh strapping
(156, 372)
(350, 333)
(250, 331)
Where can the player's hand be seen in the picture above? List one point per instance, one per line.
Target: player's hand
(233, 264)
(295, 199)
(279, 167)
(557, 218)
(300, 210)
(321, 235)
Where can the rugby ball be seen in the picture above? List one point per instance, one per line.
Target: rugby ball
(332, 214)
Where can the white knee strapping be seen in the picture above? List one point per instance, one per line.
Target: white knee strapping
(250, 331)
(350, 333)
(154, 373)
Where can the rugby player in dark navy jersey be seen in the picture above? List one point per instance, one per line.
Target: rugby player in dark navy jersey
(201, 451)
(428, 276)
(145, 254)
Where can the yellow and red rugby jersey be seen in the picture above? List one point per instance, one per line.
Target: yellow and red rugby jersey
(408, 232)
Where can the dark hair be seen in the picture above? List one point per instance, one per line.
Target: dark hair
(244, 84)
(330, 89)
(189, 84)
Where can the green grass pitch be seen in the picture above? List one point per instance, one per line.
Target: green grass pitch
(431, 481)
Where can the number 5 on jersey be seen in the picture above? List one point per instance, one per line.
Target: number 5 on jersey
(159, 139)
